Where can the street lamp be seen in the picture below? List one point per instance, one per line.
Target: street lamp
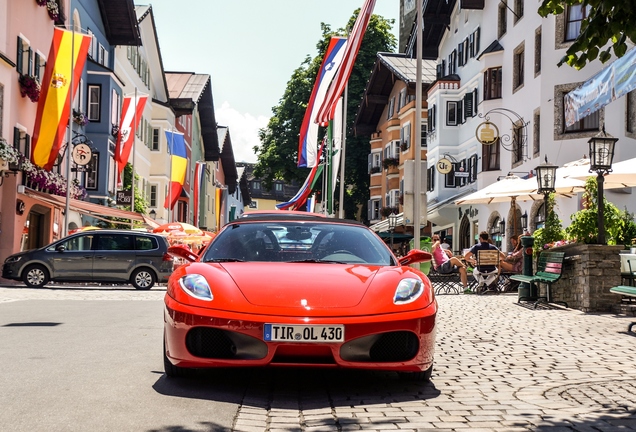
(546, 176)
(153, 214)
(524, 222)
(392, 219)
(601, 156)
(502, 227)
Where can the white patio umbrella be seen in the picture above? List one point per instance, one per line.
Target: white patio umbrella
(623, 175)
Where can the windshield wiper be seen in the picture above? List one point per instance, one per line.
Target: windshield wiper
(225, 260)
(313, 260)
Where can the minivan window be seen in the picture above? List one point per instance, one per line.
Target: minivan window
(114, 242)
(79, 243)
(145, 243)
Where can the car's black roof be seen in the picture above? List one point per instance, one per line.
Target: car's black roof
(291, 217)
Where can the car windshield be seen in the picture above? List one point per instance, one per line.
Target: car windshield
(298, 241)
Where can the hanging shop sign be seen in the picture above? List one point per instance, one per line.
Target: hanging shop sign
(123, 197)
(82, 154)
(487, 133)
(444, 166)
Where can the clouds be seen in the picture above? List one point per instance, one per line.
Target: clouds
(243, 131)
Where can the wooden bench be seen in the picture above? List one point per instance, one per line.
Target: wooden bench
(629, 294)
(549, 268)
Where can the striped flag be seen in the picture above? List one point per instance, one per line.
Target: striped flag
(178, 167)
(132, 109)
(54, 106)
(308, 140)
(199, 168)
(300, 198)
(336, 88)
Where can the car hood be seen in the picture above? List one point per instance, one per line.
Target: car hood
(307, 285)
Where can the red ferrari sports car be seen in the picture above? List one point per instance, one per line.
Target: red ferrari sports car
(282, 290)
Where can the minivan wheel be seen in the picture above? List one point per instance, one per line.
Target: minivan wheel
(142, 279)
(35, 276)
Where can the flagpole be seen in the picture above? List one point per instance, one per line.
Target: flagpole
(170, 151)
(67, 208)
(342, 151)
(134, 139)
(329, 168)
(417, 199)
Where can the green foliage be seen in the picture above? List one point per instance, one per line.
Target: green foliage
(627, 229)
(278, 151)
(141, 205)
(584, 227)
(609, 26)
(552, 231)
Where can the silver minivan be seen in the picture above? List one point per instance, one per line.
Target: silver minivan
(109, 256)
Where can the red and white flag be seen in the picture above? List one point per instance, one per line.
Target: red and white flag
(131, 111)
(337, 86)
(199, 168)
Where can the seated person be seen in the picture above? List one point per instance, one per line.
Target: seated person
(445, 262)
(471, 257)
(513, 263)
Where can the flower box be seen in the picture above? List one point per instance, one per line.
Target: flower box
(29, 87)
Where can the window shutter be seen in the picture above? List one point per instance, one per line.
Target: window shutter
(450, 177)
(19, 61)
(443, 67)
(472, 166)
(369, 162)
(16, 138)
(468, 105)
(370, 210)
(27, 146)
(472, 44)
(477, 40)
(460, 112)
(460, 52)
(439, 71)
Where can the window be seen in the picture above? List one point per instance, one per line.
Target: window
(430, 179)
(114, 107)
(402, 101)
(24, 59)
(452, 62)
(38, 66)
(537, 52)
(518, 10)
(91, 46)
(451, 113)
(517, 144)
(374, 209)
(92, 173)
(460, 53)
(424, 132)
(575, 14)
(22, 141)
(146, 243)
(587, 123)
(155, 139)
(278, 187)
(492, 83)
(94, 98)
(431, 117)
(502, 23)
(470, 104)
(536, 135)
(375, 162)
(490, 157)
(518, 64)
(473, 43)
(153, 195)
(405, 136)
(391, 108)
(256, 185)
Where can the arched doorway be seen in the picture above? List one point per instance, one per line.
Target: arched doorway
(465, 241)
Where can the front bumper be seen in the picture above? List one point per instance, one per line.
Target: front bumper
(201, 338)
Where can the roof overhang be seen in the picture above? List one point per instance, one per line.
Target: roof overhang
(120, 22)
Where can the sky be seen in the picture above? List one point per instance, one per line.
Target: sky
(250, 48)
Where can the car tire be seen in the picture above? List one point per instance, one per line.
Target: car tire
(171, 370)
(143, 279)
(423, 376)
(35, 276)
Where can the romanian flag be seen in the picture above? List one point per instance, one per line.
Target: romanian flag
(178, 167)
(199, 168)
(337, 86)
(308, 140)
(131, 111)
(67, 57)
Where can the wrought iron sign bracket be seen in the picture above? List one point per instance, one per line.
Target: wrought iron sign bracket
(487, 135)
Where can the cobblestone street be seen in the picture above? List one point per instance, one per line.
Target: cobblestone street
(500, 366)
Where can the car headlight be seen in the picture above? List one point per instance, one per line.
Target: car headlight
(408, 290)
(196, 286)
(14, 259)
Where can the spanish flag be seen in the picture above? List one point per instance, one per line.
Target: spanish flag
(178, 167)
(67, 56)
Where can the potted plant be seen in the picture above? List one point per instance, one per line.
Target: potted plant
(29, 87)
(80, 118)
(53, 9)
(552, 231)
(390, 162)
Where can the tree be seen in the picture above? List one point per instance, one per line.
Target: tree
(278, 151)
(141, 205)
(612, 21)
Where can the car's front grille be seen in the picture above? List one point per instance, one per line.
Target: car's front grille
(214, 343)
(388, 347)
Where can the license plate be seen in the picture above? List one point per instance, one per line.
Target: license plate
(303, 333)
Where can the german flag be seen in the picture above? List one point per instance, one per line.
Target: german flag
(67, 56)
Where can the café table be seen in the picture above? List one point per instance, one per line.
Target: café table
(628, 269)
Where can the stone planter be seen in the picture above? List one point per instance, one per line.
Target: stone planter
(588, 274)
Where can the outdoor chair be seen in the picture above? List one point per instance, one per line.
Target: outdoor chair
(486, 271)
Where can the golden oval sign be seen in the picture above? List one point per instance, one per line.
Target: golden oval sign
(444, 166)
(487, 133)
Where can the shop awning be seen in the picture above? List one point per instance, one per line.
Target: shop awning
(90, 209)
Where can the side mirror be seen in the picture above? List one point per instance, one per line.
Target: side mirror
(181, 251)
(415, 256)
(60, 248)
